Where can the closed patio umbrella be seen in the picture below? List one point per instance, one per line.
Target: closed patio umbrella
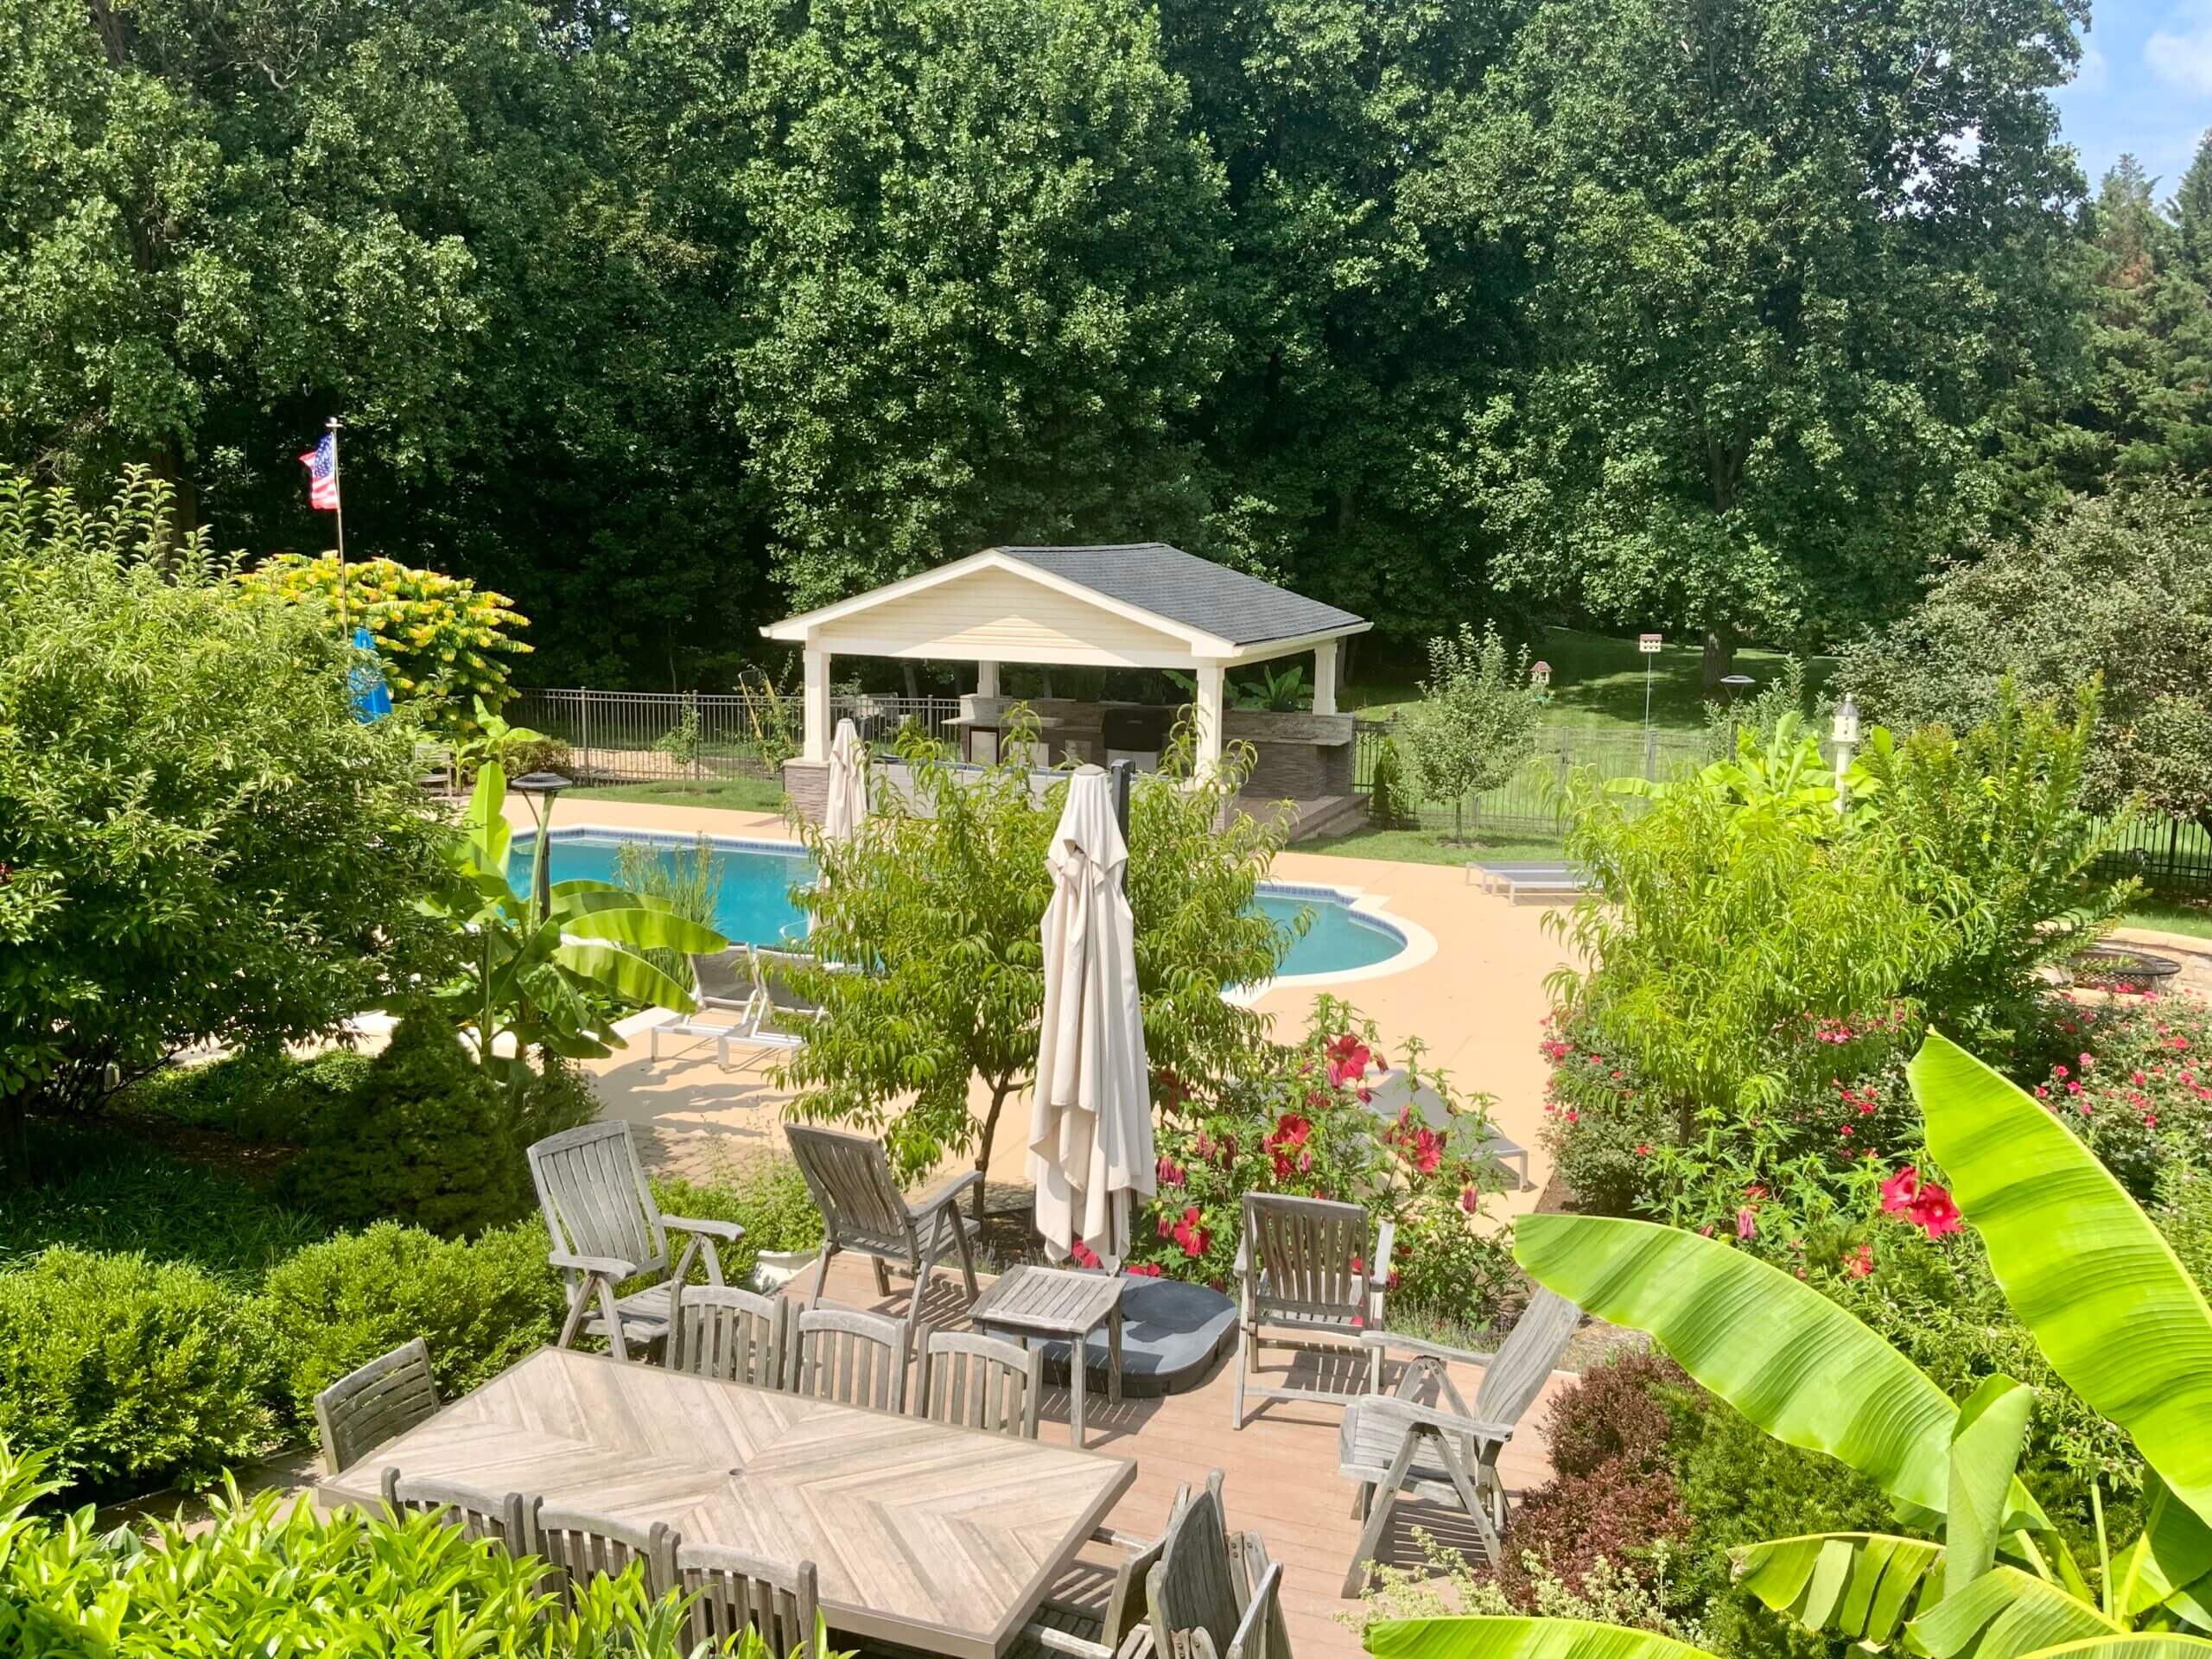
(1090, 1113)
(846, 807)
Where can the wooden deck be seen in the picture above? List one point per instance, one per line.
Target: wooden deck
(1281, 1468)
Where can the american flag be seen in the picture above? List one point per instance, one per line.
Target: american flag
(321, 463)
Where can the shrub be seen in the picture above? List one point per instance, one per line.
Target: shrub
(126, 1374)
(444, 642)
(1389, 799)
(269, 1576)
(99, 1190)
(262, 1095)
(201, 843)
(480, 1305)
(427, 1137)
(2133, 1079)
(768, 1199)
(1300, 1122)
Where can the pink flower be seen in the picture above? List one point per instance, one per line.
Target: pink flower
(1859, 1262)
(1746, 1222)
(1470, 1199)
(1899, 1191)
(1642, 1150)
(1142, 1269)
(1170, 1173)
(2060, 1071)
(1426, 1148)
(1082, 1255)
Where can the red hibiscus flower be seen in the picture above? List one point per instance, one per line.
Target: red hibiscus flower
(1190, 1235)
(1172, 1094)
(1470, 1200)
(1348, 1058)
(1425, 1150)
(1291, 1130)
(1859, 1262)
(1170, 1173)
(1142, 1270)
(1082, 1255)
(1934, 1213)
(1898, 1192)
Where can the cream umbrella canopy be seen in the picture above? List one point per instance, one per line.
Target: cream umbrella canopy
(845, 810)
(1090, 1148)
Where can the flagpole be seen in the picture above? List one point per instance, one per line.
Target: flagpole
(338, 496)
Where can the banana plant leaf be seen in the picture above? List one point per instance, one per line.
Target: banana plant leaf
(2162, 1644)
(1472, 1638)
(2169, 1562)
(2103, 1294)
(484, 827)
(1863, 1584)
(2003, 1614)
(643, 929)
(1790, 1359)
(1985, 1450)
(625, 975)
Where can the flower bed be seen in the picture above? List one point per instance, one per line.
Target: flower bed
(2132, 1077)
(1307, 1126)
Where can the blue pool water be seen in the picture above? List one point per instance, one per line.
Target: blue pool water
(755, 904)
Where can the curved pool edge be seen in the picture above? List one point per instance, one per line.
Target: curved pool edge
(1419, 943)
(1419, 946)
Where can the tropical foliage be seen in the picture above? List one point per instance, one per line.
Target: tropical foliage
(925, 928)
(545, 976)
(444, 645)
(2001, 1580)
(199, 843)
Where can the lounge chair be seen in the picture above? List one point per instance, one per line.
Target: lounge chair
(723, 983)
(1425, 1440)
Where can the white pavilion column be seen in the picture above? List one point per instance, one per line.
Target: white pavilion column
(816, 707)
(1211, 676)
(986, 679)
(1325, 677)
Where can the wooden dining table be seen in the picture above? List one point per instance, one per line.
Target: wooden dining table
(928, 1537)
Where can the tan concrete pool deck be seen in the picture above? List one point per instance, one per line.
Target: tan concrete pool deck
(1477, 1003)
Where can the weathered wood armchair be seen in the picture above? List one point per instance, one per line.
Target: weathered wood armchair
(1309, 1266)
(1425, 1440)
(606, 1229)
(862, 1210)
(376, 1402)
(1199, 1608)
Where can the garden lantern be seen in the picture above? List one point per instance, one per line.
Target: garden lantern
(541, 790)
(1846, 733)
(1737, 684)
(1540, 676)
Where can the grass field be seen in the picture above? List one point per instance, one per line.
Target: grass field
(734, 794)
(2172, 916)
(1429, 846)
(1600, 680)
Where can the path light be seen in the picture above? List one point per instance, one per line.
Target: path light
(1846, 733)
(541, 790)
(1737, 684)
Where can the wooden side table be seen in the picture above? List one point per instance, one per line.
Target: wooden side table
(1066, 1304)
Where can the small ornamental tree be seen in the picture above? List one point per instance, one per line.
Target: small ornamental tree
(199, 843)
(446, 644)
(1476, 719)
(931, 915)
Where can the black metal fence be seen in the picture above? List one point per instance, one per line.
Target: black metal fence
(2171, 855)
(1529, 805)
(636, 737)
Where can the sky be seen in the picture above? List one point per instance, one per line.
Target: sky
(2144, 86)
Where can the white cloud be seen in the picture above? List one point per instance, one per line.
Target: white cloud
(2093, 72)
(2181, 55)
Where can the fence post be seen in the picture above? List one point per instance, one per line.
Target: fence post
(584, 719)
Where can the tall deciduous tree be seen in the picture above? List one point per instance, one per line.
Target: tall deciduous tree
(1782, 263)
(975, 250)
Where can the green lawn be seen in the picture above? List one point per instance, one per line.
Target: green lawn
(1599, 679)
(735, 794)
(2172, 916)
(1430, 847)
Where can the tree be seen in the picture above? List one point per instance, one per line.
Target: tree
(2119, 587)
(2145, 409)
(926, 929)
(1476, 720)
(198, 841)
(975, 306)
(546, 973)
(1363, 325)
(1772, 303)
(2109, 1307)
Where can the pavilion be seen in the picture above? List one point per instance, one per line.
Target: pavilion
(1130, 605)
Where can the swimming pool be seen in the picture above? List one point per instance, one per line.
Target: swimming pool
(755, 905)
